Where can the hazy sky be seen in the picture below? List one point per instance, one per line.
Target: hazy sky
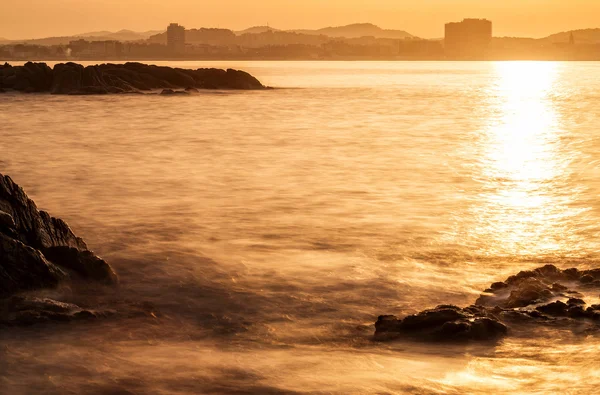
(425, 18)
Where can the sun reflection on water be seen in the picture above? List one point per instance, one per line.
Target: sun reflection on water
(524, 206)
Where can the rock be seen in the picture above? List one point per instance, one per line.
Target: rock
(67, 78)
(190, 89)
(37, 250)
(530, 297)
(529, 291)
(576, 302)
(24, 268)
(6, 221)
(557, 308)
(38, 75)
(444, 323)
(586, 279)
(84, 263)
(172, 92)
(23, 311)
(73, 78)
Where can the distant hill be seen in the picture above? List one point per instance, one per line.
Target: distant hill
(358, 30)
(121, 35)
(256, 30)
(582, 36)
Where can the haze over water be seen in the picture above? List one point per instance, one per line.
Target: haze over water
(269, 229)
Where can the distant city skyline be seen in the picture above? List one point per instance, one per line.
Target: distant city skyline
(426, 18)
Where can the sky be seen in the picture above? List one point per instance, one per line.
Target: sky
(21, 19)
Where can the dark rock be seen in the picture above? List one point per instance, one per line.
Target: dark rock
(498, 285)
(444, 323)
(24, 268)
(528, 292)
(576, 302)
(72, 78)
(556, 287)
(67, 78)
(23, 311)
(6, 221)
(192, 90)
(577, 312)
(172, 92)
(37, 250)
(557, 308)
(528, 298)
(84, 263)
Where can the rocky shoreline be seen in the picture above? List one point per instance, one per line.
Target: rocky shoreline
(545, 296)
(38, 251)
(75, 79)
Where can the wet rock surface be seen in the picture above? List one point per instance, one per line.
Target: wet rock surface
(39, 251)
(544, 296)
(75, 79)
(24, 311)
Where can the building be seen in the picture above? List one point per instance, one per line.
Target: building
(176, 39)
(470, 38)
(96, 49)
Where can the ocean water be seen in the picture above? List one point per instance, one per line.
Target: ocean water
(268, 230)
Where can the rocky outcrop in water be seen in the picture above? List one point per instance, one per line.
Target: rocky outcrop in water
(30, 310)
(544, 296)
(39, 251)
(75, 79)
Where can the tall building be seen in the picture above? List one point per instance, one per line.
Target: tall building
(468, 39)
(176, 38)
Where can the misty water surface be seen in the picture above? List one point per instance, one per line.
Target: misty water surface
(269, 229)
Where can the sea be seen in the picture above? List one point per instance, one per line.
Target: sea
(267, 230)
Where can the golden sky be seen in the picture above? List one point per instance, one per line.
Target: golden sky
(424, 18)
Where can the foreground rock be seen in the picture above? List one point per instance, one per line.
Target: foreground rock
(39, 251)
(24, 311)
(75, 79)
(545, 296)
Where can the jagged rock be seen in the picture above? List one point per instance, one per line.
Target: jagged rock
(84, 263)
(67, 78)
(73, 78)
(6, 220)
(537, 296)
(23, 268)
(37, 250)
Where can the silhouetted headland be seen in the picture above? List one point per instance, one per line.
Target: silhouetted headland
(73, 79)
(38, 251)
(544, 296)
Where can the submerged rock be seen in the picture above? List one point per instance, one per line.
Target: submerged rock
(544, 296)
(22, 311)
(172, 92)
(75, 79)
(39, 251)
